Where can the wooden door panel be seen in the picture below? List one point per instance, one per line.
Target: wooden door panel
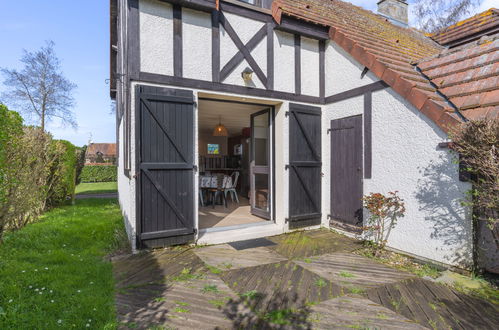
(346, 171)
(166, 166)
(305, 166)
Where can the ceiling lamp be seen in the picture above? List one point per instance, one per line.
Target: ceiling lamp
(220, 130)
(247, 74)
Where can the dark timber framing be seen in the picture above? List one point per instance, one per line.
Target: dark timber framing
(297, 64)
(322, 68)
(270, 55)
(177, 41)
(368, 139)
(243, 49)
(215, 45)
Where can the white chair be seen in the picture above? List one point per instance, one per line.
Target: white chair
(232, 190)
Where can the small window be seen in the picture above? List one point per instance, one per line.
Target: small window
(259, 3)
(213, 149)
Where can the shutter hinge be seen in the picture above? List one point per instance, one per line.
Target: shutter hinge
(329, 131)
(195, 231)
(329, 217)
(286, 113)
(286, 167)
(195, 168)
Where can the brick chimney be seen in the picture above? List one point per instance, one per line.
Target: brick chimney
(395, 10)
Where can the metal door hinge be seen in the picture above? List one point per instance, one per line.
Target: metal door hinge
(286, 167)
(286, 113)
(195, 167)
(329, 217)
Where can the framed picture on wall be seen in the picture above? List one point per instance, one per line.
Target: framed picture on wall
(238, 149)
(213, 149)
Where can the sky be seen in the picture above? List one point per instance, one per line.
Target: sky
(80, 30)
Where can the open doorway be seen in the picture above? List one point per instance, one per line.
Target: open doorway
(235, 163)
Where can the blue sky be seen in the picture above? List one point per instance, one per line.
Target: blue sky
(80, 30)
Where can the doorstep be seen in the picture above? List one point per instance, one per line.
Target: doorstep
(238, 233)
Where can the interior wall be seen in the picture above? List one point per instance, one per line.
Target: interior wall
(206, 138)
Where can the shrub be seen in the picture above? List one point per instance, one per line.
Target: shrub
(384, 212)
(99, 173)
(61, 172)
(477, 143)
(80, 163)
(35, 171)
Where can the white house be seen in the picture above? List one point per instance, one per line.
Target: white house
(313, 103)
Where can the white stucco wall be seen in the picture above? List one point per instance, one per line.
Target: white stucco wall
(342, 71)
(284, 62)
(309, 66)
(406, 158)
(156, 37)
(196, 49)
(126, 192)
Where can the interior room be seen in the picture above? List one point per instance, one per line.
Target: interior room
(234, 146)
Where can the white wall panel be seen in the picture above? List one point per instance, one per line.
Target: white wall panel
(196, 39)
(156, 37)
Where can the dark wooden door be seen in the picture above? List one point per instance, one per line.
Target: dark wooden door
(165, 131)
(304, 166)
(260, 164)
(346, 171)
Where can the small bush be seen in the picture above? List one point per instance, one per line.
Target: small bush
(99, 173)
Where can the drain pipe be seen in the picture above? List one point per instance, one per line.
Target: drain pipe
(447, 100)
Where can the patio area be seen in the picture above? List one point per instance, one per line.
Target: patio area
(299, 280)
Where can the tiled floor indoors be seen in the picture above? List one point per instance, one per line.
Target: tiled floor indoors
(308, 280)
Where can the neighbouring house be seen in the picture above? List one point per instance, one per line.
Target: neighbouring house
(100, 154)
(293, 109)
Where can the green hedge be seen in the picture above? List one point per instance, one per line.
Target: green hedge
(99, 173)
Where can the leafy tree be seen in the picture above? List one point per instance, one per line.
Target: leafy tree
(434, 15)
(40, 89)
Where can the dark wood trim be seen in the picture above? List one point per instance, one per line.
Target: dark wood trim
(137, 177)
(203, 5)
(297, 64)
(322, 68)
(133, 39)
(177, 41)
(270, 55)
(220, 87)
(239, 9)
(368, 135)
(215, 45)
(239, 57)
(233, 101)
(310, 30)
(239, 44)
(376, 86)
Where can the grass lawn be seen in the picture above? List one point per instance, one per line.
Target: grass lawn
(54, 273)
(97, 188)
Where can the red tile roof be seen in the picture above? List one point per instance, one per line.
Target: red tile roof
(389, 51)
(471, 29)
(107, 149)
(469, 77)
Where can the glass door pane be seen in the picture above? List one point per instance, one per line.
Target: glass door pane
(260, 164)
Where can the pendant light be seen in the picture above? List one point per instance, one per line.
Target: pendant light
(220, 130)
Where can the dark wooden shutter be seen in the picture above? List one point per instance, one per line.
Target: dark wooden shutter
(346, 172)
(304, 166)
(165, 121)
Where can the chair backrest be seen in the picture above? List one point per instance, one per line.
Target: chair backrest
(235, 177)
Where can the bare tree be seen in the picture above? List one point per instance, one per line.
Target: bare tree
(434, 15)
(40, 90)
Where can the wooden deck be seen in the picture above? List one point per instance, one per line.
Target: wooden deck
(307, 280)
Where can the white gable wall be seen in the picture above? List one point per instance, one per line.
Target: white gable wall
(309, 66)
(406, 158)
